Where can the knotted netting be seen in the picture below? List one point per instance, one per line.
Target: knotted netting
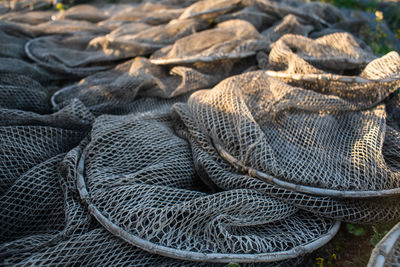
(7, 6)
(87, 13)
(191, 133)
(115, 91)
(260, 127)
(336, 52)
(218, 173)
(21, 92)
(71, 57)
(158, 205)
(228, 40)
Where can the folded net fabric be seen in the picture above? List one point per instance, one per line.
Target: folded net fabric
(229, 40)
(300, 136)
(23, 93)
(217, 173)
(158, 204)
(115, 91)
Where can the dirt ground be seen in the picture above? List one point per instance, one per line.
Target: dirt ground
(351, 247)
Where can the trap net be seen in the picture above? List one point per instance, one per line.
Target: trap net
(387, 251)
(266, 130)
(158, 205)
(191, 133)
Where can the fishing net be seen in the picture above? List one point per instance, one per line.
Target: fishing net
(256, 17)
(218, 173)
(333, 52)
(115, 91)
(266, 128)
(210, 9)
(23, 147)
(63, 233)
(28, 5)
(33, 18)
(11, 45)
(149, 13)
(66, 27)
(289, 24)
(229, 40)
(18, 67)
(67, 55)
(280, 9)
(12, 40)
(158, 204)
(191, 133)
(135, 39)
(387, 66)
(86, 13)
(21, 92)
(81, 55)
(387, 251)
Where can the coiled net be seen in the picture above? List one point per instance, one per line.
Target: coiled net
(191, 133)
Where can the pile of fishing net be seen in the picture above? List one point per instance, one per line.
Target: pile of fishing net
(184, 133)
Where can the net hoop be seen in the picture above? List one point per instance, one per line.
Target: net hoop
(189, 255)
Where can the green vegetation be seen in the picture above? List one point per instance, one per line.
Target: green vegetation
(352, 245)
(353, 4)
(377, 235)
(357, 230)
(375, 36)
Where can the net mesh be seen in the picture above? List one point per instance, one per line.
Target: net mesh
(191, 133)
(33, 17)
(230, 39)
(252, 14)
(21, 92)
(218, 173)
(174, 213)
(115, 91)
(265, 125)
(17, 67)
(70, 58)
(123, 84)
(336, 52)
(28, 5)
